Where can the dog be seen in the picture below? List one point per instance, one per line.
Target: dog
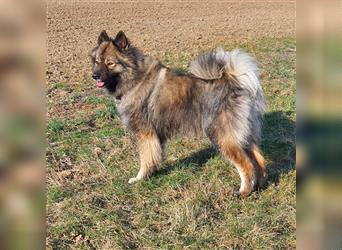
(220, 97)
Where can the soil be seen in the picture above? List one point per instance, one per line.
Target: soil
(156, 27)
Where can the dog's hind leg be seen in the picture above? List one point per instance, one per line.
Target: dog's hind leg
(150, 152)
(243, 164)
(235, 153)
(255, 155)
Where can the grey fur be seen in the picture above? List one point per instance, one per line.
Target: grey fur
(220, 97)
(211, 92)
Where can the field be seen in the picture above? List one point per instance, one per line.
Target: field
(189, 204)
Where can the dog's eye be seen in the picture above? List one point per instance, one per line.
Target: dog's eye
(97, 62)
(110, 64)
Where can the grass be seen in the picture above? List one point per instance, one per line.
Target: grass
(189, 204)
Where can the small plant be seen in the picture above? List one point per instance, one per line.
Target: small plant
(55, 126)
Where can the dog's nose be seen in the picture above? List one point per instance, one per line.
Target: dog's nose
(95, 76)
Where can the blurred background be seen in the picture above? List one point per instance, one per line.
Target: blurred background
(22, 150)
(319, 124)
(22, 124)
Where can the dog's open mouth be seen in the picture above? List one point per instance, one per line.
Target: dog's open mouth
(100, 84)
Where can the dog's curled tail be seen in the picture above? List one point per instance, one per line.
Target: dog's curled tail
(220, 63)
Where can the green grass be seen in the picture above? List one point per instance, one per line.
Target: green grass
(190, 203)
(55, 126)
(57, 194)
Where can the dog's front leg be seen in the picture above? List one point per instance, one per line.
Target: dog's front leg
(150, 152)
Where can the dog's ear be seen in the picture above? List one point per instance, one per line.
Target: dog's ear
(103, 37)
(121, 41)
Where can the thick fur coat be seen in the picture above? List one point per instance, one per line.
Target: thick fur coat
(220, 98)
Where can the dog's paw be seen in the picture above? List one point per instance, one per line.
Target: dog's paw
(133, 180)
(244, 192)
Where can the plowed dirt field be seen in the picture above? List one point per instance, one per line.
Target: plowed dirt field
(156, 27)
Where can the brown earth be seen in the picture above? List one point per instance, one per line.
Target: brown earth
(157, 27)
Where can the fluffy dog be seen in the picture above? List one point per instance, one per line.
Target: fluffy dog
(220, 97)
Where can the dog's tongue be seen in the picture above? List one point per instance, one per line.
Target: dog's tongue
(99, 84)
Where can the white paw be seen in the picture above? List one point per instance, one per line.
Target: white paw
(133, 180)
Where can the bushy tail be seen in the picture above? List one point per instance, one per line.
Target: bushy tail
(240, 69)
(216, 64)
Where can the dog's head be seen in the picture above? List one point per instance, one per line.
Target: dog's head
(111, 59)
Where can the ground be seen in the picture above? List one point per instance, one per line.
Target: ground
(189, 203)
